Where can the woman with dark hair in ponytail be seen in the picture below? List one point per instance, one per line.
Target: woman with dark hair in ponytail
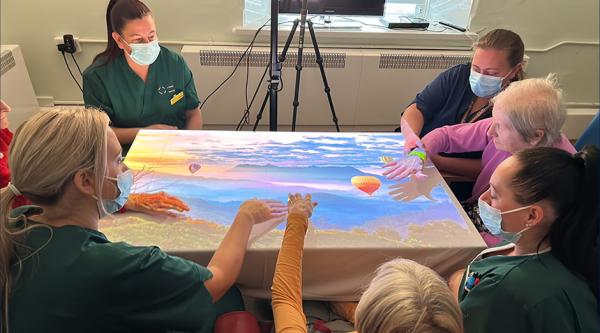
(544, 202)
(136, 81)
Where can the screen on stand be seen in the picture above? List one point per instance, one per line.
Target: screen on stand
(334, 7)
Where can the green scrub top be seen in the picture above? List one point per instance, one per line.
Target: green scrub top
(78, 281)
(164, 98)
(534, 293)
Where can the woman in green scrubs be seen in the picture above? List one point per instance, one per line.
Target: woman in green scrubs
(60, 274)
(544, 203)
(136, 81)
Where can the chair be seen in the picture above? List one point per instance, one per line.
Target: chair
(591, 135)
(237, 322)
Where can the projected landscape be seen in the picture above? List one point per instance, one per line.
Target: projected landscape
(214, 172)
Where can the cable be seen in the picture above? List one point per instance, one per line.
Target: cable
(248, 74)
(246, 116)
(280, 80)
(76, 64)
(69, 68)
(236, 65)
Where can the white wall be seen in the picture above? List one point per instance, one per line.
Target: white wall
(542, 23)
(33, 24)
(545, 23)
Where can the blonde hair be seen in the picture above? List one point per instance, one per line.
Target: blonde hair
(44, 155)
(534, 104)
(507, 41)
(407, 297)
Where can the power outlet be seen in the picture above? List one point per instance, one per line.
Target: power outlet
(68, 43)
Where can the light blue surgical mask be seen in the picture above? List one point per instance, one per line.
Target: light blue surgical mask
(144, 54)
(492, 219)
(485, 86)
(124, 184)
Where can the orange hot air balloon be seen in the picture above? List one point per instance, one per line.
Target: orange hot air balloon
(367, 184)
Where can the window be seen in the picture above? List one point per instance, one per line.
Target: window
(256, 12)
(457, 12)
(405, 8)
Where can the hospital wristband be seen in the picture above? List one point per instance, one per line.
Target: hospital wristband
(420, 153)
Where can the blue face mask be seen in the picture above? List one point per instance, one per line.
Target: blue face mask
(144, 54)
(485, 86)
(492, 218)
(124, 184)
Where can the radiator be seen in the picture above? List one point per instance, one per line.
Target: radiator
(15, 86)
(368, 87)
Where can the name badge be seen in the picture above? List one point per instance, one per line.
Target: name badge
(176, 98)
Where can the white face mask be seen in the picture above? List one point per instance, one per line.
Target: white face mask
(485, 86)
(492, 218)
(144, 54)
(124, 183)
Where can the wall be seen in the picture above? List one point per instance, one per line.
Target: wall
(542, 23)
(545, 23)
(33, 24)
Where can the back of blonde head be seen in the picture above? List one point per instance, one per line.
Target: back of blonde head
(45, 153)
(534, 104)
(405, 297)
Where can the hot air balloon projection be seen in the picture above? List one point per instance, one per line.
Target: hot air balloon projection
(194, 167)
(367, 184)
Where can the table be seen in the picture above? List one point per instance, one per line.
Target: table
(357, 226)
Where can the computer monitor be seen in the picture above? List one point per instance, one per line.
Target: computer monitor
(334, 7)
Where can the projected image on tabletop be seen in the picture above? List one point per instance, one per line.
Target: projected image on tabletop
(214, 172)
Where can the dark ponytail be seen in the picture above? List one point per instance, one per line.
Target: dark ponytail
(570, 184)
(118, 13)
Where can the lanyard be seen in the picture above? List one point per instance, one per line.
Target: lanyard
(473, 116)
(472, 279)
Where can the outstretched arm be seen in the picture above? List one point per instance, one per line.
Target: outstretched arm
(226, 263)
(287, 282)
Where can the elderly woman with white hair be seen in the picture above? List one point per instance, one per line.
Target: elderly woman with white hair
(529, 113)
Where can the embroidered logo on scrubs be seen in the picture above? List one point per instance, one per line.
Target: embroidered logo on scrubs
(168, 89)
(176, 98)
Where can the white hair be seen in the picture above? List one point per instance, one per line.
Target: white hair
(535, 104)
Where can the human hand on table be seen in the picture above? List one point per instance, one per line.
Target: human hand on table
(260, 211)
(411, 139)
(156, 203)
(301, 205)
(161, 127)
(265, 215)
(406, 166)
(415, 156)
(415, 187)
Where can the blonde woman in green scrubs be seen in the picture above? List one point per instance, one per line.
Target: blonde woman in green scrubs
(544, 203)
(136, 81)
(59, 273)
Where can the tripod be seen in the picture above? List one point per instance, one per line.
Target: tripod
(319, 60)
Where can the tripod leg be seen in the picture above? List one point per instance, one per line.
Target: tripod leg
(288, 41)
(295, 104)
(262, 108)
(323, 76)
